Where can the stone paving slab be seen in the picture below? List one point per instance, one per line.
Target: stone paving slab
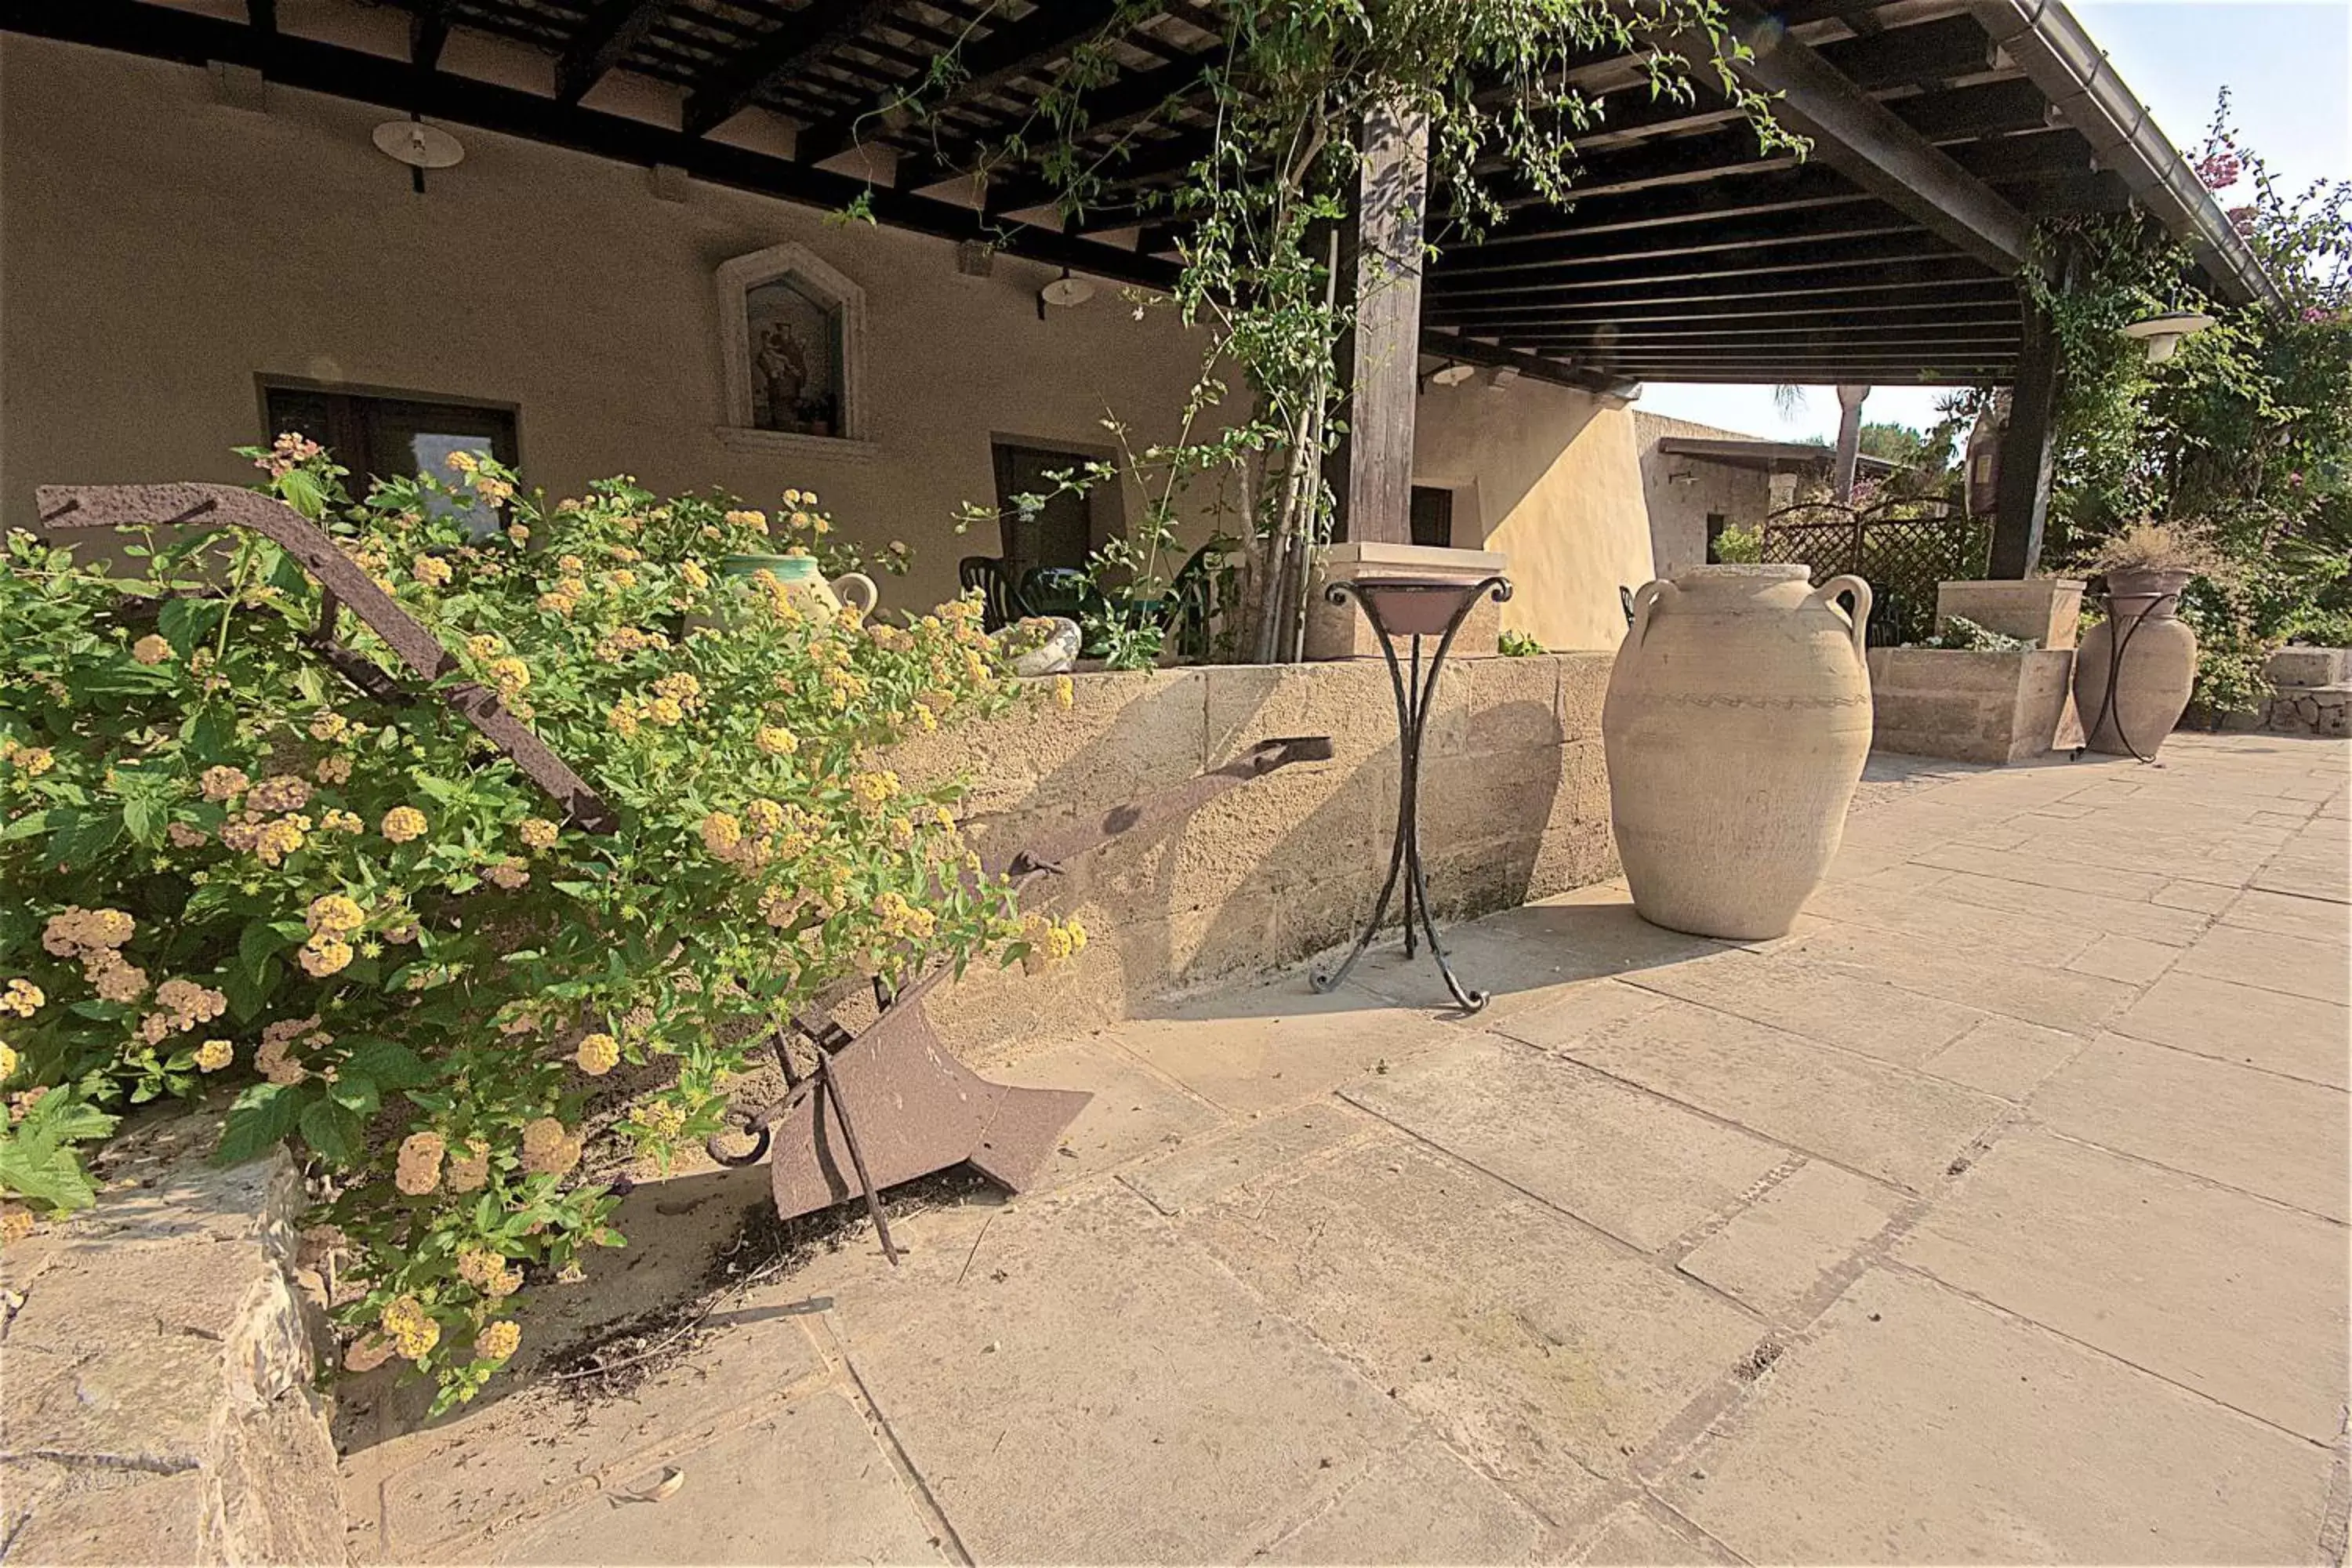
(1279, 1045)
(747, 1499)
(1903, 1128)
(1776, 1254)
(2296, 965)
(2005, 1057)
(2057, 998)
(2109, 911)
(1641, 1168)
(1136, 1109)
(2296, 1036)
(1918, 1426)
(2290, 914)
(2156, 1269)
(2279, 1137)
(1094, 1391)
(1423, 1503)
(1868, 1016)
(1544, 1352)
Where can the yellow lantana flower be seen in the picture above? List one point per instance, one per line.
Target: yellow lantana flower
(597, 1054)
(402, 823)
(150, 650)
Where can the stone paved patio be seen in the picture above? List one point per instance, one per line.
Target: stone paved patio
(1998, 1213)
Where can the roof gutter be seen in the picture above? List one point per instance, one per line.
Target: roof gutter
(2059, 56)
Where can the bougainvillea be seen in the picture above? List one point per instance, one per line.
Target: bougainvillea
(226, 860)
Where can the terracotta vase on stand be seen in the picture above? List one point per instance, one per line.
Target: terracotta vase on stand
(2134, 671)
(1736, 728)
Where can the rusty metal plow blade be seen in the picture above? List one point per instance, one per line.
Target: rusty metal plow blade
(891, 1103)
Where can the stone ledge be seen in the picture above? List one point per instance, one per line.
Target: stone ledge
(158, 1403)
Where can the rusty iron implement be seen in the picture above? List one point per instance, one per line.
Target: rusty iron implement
(890, 1103)
(341, 582)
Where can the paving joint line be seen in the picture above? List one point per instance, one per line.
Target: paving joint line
(886, 1439)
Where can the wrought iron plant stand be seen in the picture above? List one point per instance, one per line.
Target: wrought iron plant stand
(1414, 610)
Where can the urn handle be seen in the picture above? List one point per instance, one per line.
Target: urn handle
(1858, 620)
(857, 590)
(1644, 601)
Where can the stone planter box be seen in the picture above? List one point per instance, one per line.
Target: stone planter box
(1973, 707)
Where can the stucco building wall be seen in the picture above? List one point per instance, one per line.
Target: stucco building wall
(163, 250)
(1682, 490)
(1549, 476)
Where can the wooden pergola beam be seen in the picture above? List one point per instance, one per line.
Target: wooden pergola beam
(612, 31)
(1558, 370)
(811, 32)
(1771, 229)
(1566, 279)
(1014, 49)
(428, 34)
(1864, 141)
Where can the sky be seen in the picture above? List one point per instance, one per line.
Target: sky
(2288, 64)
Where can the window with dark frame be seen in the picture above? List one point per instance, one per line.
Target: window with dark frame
(1060, 531)
(1433, 515)
(394, 435)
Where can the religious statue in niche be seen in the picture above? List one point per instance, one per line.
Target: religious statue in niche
(794, 350)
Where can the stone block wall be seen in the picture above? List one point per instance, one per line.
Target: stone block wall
(1515, 805)
(2311, 692)
(157, 1402)
(1972, 707)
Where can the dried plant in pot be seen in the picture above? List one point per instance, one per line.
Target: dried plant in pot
(2147, 564)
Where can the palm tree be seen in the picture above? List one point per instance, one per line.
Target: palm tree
(1848, 442)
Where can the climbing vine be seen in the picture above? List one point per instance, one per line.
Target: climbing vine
(2244, 435)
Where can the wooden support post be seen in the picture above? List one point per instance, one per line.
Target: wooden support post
(2022, 494)
(1381, 358)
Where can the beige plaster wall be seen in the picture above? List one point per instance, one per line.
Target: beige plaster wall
(1678, 507)
(1551, 476)
(1515, 805)
(159, 249)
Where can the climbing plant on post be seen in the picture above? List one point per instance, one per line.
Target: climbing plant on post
(1259, 214)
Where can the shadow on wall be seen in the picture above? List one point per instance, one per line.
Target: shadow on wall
(1514, 807)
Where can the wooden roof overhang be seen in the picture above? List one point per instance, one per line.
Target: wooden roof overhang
(1768, 457)
(1941, 129)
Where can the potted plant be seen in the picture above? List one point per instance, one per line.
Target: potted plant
(2134, 669)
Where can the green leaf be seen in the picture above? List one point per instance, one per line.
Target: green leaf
(185, 621)
(144, 815)
(333, 1130)
(310, 684)
(262, 1116)
(36, 1159)
(389, 1064)
(354, 1093)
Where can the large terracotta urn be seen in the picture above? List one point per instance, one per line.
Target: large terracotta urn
(2129, 705)
(1736, 728)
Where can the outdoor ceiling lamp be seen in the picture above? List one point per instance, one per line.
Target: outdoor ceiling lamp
(2162, 334)
(1453, 374)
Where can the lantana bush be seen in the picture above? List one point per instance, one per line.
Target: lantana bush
(224, 861)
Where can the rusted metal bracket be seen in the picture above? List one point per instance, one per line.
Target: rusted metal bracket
(67, 506)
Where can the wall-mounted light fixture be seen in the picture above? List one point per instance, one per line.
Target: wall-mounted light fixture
(1452, 373)
(418, 145)
(1064, 292)
(2162, 334)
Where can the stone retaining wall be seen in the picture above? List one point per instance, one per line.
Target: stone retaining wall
(157, 1402)
(1514, 807)
(2312, 691)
